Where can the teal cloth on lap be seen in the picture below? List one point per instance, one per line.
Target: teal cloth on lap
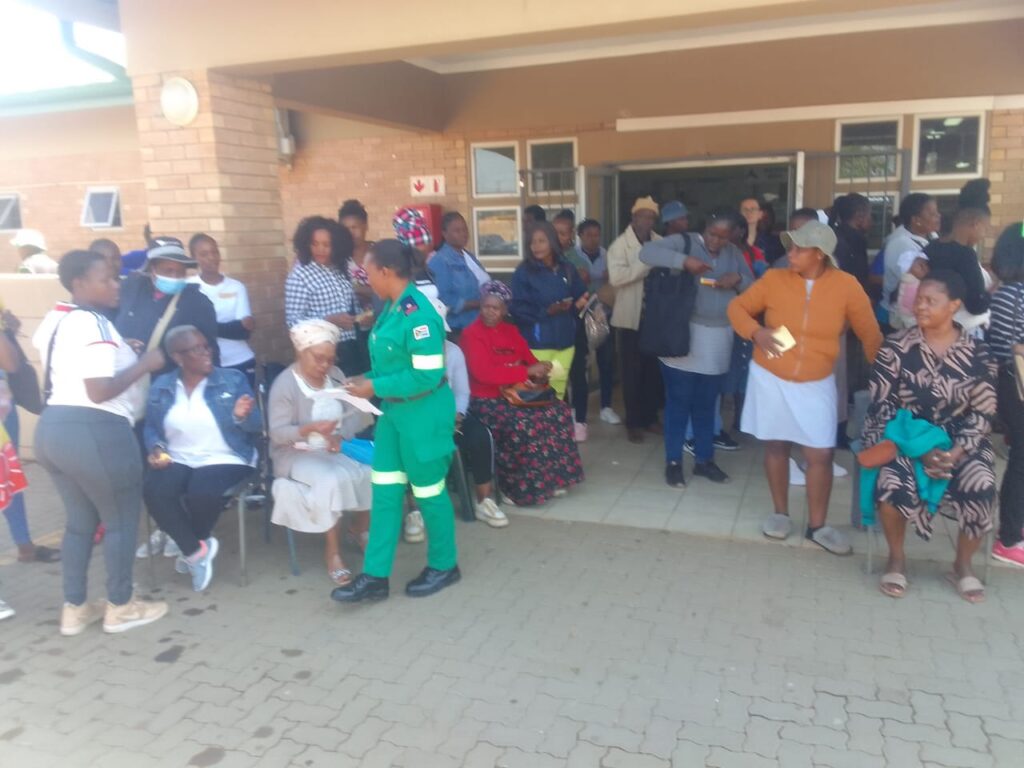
(914, 439)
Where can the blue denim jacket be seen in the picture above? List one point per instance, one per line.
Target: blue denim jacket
(223, 387)
(456, 284)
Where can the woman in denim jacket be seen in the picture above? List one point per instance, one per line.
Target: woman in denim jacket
(457, 273)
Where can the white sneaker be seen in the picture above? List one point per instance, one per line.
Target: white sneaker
(171, 548)
(580, 432)
(134, 613)
(414, 531)
(796, 475)
(608, 416)
(157, 540)
(838, 470)
(5, 611)
(202, 570)
(560, 492)
(491, 513)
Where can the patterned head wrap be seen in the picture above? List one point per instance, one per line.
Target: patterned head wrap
(411, 228)
(496, 288)
(309, 333)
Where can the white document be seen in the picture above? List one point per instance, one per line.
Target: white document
(359, 403)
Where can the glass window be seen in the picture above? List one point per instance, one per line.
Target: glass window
(882, 211)
(868, 150)
(102, 208)
(948, 146)
(494, 170)
(10, 212)
(497, 232)
(553, 167)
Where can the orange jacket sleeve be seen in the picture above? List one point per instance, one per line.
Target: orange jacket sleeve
(745, 308)
(861, 318)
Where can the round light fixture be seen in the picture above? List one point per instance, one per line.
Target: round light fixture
(179, 101)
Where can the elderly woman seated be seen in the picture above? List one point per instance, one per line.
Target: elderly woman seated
(200, 433)
(535, 449)
(316, 483)
(933, 399)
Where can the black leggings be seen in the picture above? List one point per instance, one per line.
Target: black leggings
(1011, 494)
(477, 449)
(186, 502)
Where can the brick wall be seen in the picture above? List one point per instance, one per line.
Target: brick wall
(1006, 168)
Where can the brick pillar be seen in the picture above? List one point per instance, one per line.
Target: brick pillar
(219, 175)
(1006, 168)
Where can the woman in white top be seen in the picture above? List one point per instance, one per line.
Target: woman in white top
(315, 482)
(230, 301)
(85, 441)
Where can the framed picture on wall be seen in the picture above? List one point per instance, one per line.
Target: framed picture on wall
(497, 231)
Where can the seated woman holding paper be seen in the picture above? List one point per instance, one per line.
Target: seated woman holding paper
(933, 398)
(791, 392)
(315, 482)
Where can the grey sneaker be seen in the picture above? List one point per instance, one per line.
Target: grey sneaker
(831, 540)
(777, 527)
(202, 571)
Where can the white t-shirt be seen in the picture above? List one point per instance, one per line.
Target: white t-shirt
(193, 435)
(478, 272)
(87, 346)
(230, 300)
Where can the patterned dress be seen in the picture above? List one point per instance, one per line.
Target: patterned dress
(955, 392)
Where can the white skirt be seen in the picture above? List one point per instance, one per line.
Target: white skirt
(320, 487)
(800, 412)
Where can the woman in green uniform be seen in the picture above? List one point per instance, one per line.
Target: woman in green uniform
(414, 439)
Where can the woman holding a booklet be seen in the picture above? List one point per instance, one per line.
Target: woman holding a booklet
(791, 392)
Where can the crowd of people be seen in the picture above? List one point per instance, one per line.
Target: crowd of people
(407, 351)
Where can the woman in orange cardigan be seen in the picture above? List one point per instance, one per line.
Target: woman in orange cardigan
(791, 392)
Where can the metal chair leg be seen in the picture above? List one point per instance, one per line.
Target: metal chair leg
(990, 540)
(293, 560)
(244, 574)
(152, 554)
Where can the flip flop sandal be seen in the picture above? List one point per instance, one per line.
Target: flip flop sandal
(966, 585)
(893, 585)
(340, 576)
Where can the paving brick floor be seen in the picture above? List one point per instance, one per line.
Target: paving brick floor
(568, 643)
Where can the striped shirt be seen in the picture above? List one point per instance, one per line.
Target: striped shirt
(313, 291)
(1007, 325)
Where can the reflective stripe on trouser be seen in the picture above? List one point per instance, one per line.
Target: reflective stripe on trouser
(393, 456)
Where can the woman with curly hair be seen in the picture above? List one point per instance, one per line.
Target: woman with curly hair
(317, 287)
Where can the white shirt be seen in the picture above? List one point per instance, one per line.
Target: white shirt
(458, 376)
(478, 272)
(899, 242)
(193, 435)
(38, 264)
(87, 346)
(230, 300)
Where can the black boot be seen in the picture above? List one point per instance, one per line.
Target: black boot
(432, 580)
(363, 587)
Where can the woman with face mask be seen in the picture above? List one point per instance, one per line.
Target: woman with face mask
(158, 298)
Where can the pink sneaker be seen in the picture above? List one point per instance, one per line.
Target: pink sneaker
(581, 432)
(1013, 555)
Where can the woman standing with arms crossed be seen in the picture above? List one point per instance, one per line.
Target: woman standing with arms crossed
(414, 440)
(85, 441)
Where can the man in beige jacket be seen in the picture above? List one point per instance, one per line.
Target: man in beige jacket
(641, 379)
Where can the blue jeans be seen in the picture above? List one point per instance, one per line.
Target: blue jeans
(718, 419)
(689, 397)
(17, 521)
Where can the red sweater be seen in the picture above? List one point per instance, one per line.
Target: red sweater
(495, 357)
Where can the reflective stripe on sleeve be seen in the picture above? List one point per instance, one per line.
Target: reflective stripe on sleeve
(428, 491)
(428, 362)
(388, 478)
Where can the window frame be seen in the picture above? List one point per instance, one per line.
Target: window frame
(530, 144)
(915, 154)
(17, 202)
(476, 231)
(472, 163)
(115, 208)
(898, 119)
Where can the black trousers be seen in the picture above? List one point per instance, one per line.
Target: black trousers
(642, 387)
(1011, 494)
(474, 442)
(579, 390)
(186, 502)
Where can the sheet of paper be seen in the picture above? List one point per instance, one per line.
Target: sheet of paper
(359, 403)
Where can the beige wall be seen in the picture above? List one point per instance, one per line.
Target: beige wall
(50, 160)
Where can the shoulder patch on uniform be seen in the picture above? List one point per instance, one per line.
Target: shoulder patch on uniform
(409, 305)
(421, 332)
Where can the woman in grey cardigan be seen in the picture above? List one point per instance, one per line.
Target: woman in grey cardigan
(693, 382)
(315, 483)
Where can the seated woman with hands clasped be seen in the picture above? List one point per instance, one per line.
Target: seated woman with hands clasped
(200, 434)
(315, 482)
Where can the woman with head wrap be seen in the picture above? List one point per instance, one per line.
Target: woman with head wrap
(536, 456)
(315, 482)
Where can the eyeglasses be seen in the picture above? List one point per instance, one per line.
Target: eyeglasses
(197, 349)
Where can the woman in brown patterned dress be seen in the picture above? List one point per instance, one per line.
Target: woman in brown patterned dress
(943, 376)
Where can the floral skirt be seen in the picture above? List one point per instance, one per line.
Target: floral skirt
(535, 450)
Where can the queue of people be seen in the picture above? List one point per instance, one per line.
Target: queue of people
(155, 371)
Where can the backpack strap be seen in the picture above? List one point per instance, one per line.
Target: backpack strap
(48, 371)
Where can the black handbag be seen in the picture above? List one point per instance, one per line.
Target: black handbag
(24, 381)
(669, 298)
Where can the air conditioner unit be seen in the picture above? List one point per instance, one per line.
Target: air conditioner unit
(285, 140)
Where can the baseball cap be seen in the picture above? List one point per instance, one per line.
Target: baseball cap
(31, 237)
(813, 234)
(673, 210)
(169, 249)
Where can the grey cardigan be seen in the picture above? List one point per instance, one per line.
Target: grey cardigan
(288, 409)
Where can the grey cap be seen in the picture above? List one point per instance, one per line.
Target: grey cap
(673, 210)
(169, 249)
(813, 234)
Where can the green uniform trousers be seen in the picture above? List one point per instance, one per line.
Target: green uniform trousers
(407, 451)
